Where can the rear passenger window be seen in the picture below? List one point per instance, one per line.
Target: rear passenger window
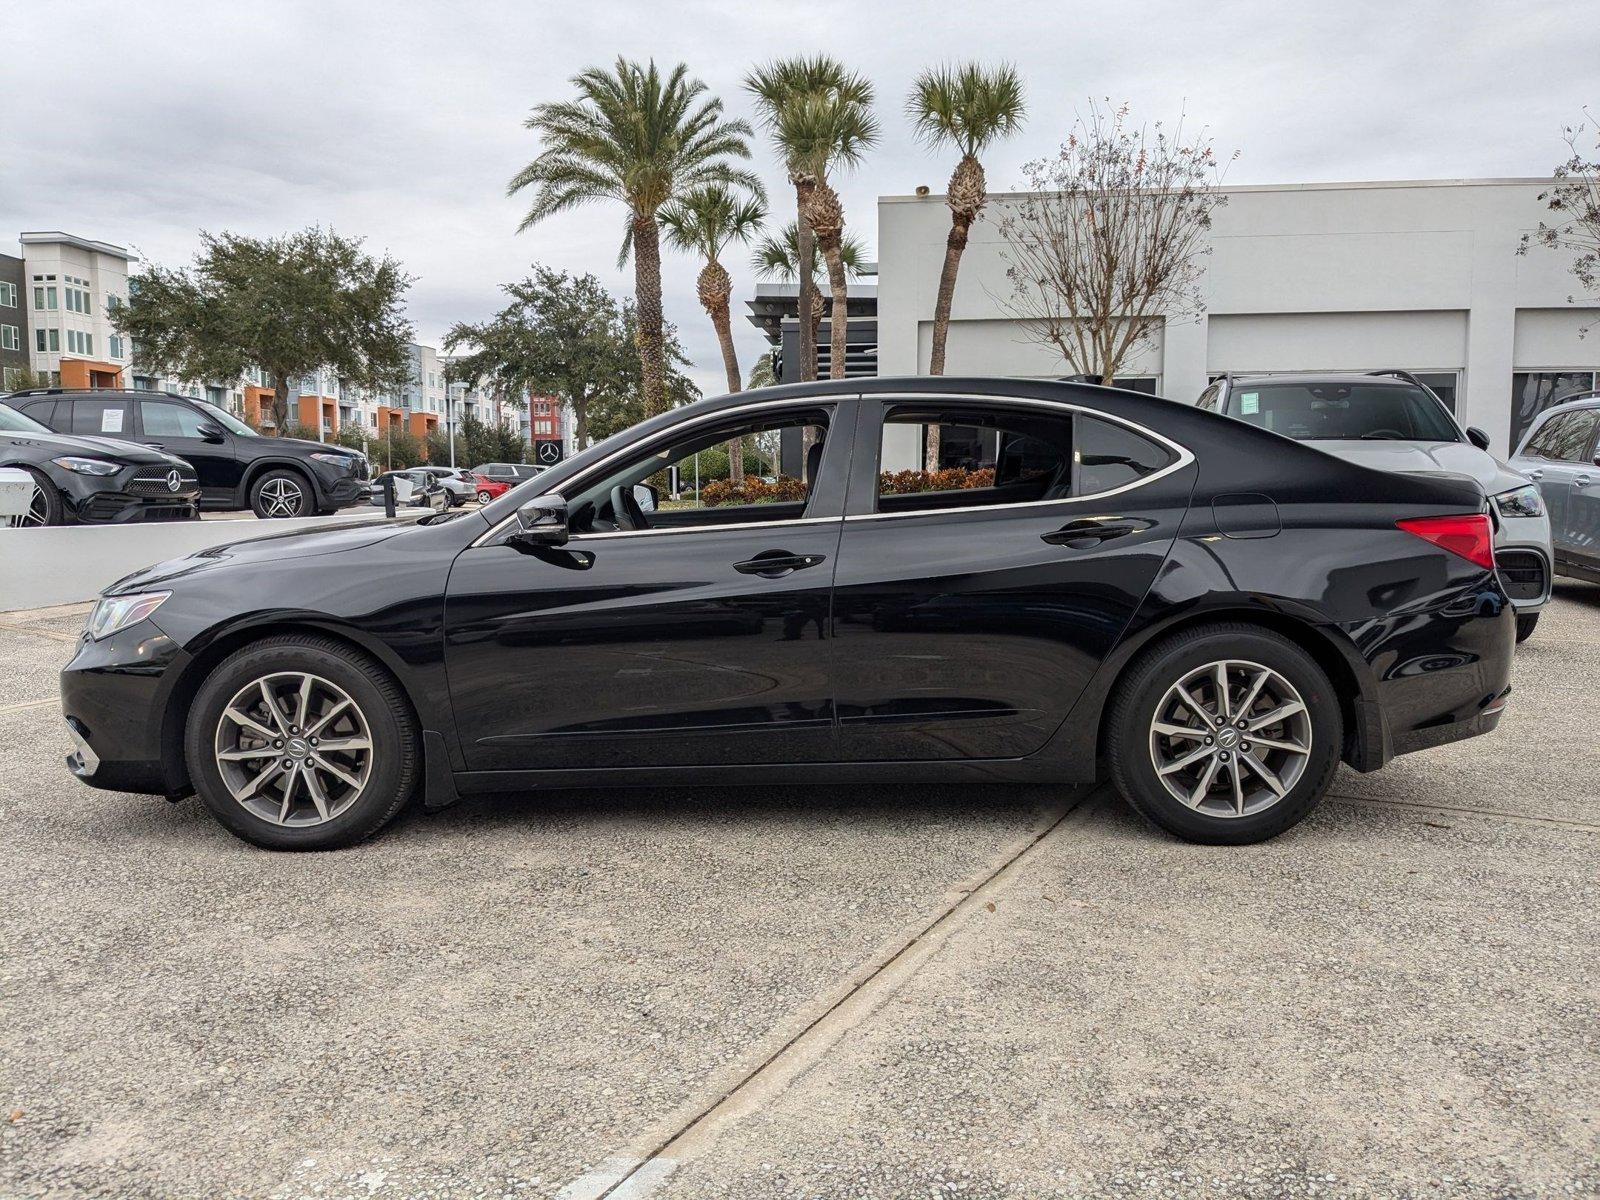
(1565, 438)
(958, 457)
(101, 418)
(44, 412)
(1113, 456)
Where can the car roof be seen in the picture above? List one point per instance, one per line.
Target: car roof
(1571, 404)
(33, 393)
(1307, 377)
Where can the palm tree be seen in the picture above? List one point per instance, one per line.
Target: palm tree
(819, 115)
(969, 108)
(775, 258)
(641, 138)
(704, 222)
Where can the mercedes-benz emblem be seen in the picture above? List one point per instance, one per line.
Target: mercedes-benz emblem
(174, 480)
(549, 452)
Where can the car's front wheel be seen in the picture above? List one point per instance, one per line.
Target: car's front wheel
(1526, 623)
(302, 743)
(1225, 734)
(281, 493)
(44, 506)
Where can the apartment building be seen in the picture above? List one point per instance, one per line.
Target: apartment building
(71, 286)
(14, 334)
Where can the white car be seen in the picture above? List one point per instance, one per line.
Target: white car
(459, 485)
(1391, 421)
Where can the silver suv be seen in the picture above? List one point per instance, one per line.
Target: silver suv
(1392, 421)
(1561, 450)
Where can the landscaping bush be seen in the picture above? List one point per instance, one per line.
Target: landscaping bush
(950, 479)
(751, 490)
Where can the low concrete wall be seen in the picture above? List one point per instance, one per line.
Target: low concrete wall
(40, 567)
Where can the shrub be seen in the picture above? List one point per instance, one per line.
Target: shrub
(751, 490)
(950, 479)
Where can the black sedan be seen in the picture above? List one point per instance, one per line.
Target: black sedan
(1087, 579)
(92, 480)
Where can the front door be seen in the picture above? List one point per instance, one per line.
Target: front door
(974, 600)
(696, 633)
(181, 430)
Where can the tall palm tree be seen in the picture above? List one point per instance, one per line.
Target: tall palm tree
(636, 136)
(970, 108)
(704, 222)
(819, 115)
(776, 256)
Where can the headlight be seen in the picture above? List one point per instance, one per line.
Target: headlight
(114, 613)
(1520, 502)
(86, 466)
(338, 460)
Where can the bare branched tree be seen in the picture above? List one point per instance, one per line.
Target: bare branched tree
(1575, 201)
(1108, 239)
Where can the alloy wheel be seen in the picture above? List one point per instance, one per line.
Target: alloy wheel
(1231, 738)
(38, 514)
(293, 749)
(281, 497)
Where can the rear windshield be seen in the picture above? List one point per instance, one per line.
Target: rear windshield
(1343, 411)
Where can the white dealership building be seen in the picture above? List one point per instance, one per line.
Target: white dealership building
(1420, 275)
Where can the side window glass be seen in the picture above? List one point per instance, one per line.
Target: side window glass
(44, 412)
(1571, 444)
(956, 457)
(1113, 456)
(169, 420)
(1208, 398)
(101, 418)
(1543, 443)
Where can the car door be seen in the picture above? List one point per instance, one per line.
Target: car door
(203, 444)
(1559, 454)
(1580, 533)
(700, 639)
(972, 604)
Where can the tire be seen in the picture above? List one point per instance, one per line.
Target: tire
(1526, 624)
(484, 497)
(324, 812)
(1306, 744)
(282, 493)
(46, 508)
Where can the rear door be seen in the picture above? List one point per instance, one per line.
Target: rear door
(973, 603)
(208, 448)
(1581, 530)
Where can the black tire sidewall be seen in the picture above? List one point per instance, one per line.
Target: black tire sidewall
(308, 498)
(1144, 688)
(1526, 622)
(394, 738)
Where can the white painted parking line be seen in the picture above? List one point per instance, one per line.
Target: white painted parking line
(638, 1178)
(11, 708)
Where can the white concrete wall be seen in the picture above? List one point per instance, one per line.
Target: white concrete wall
(1420, 275)
(40, 567)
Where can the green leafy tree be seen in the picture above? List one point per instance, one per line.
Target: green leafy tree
(704, 222)
(761, 373)
(819, 116)
(636, 136)
(289, 305)
(623, 405)
(776, 256)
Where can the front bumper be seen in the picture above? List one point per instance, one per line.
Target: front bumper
(114, 697)
(338, 487)
(132, 496)
(1524, 558)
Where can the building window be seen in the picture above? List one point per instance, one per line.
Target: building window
(116, 346)
(1534, 391)
(44, 299)
(47, 341)
(8, 294)
(77, 300)
(10, 337)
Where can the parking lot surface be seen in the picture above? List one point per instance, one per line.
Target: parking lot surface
(815, 992)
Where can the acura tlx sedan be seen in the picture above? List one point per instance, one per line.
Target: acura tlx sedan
(1090, 580)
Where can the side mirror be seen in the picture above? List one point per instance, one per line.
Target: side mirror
(542, 522)
(211, 433)
(648, 497)
(1477, 437)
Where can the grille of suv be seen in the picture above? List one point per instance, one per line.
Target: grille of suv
(1522, 573)
(152, 481)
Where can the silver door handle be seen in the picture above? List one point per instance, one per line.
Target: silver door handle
(1581, 481)
(1535, 474)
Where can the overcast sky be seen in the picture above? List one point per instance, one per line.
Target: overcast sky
(141, 124)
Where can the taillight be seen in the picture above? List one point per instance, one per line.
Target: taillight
(1467, 534)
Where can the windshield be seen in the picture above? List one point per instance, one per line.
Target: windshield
(226, 419)
(11, 421)
(1313, 412)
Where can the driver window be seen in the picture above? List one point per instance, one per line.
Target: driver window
(699, 480)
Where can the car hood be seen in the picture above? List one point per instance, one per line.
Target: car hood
(94, 447)
(1428, 458)
(310, 447)
(274, 548)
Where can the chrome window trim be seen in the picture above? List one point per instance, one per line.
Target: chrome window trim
(829, 402)
(626, 533)
(1184, 456)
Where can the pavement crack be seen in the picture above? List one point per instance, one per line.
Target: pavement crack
(1457, 811)
(627, 1178)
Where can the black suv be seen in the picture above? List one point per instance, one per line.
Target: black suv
(95, 480)
(238, 468)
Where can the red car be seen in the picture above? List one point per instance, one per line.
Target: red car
(487, 489)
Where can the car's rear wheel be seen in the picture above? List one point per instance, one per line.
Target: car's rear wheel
(281, 493)
(302, 743)
(45, 507)
(1225, 734)
(484, 497)
(1526, 623)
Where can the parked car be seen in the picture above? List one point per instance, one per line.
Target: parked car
(488, 489)
(1219, 614)
(238, 467)
(1561, 452)
(99, 481)
(1391, 421)
(459, 484)
(422, 489)
(509, 474)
